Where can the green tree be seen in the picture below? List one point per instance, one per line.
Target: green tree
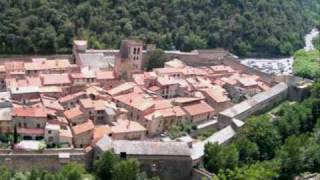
(126, 170)
(248, 151)
(104, 166)
(73, 171)
(298, 154)
(260, 131)
(218, 157)
(5, 173)
(259, 171)
(154, 59)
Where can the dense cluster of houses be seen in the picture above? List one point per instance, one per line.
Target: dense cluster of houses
(76, 104)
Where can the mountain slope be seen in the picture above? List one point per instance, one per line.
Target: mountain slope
(246, 27)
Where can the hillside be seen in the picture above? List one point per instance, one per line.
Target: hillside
(254, 27)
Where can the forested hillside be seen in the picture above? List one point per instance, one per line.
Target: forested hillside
(269, 147)
(246, 27)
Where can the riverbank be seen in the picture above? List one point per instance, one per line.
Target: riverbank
(280, 66)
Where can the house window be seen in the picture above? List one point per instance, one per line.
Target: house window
(38, 125)
(49, 132)
(154, 167)
(25, 125)
(123, 155)
(50, 139)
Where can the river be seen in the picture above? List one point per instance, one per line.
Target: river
(280, 65)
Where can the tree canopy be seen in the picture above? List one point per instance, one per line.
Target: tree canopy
(246, 27)
(154, 59)
(110, 166)
(281, 147)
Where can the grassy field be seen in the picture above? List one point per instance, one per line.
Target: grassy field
(307, 64)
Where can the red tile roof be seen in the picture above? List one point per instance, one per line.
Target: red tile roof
(100, 131)
(73, 113)
(71, 97)
(56, 79)
(30, 112)
(82, 128)
(105, 75)
(198, 108)
(30, 131)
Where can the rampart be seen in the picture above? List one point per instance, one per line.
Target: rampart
(47, 159)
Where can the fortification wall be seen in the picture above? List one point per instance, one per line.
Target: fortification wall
(265, 105)
(27, 58)
(51, 160)
(254, 109)
(234, 63)
(299, 88)
(200, 57)
(166, 167)
(218, 57)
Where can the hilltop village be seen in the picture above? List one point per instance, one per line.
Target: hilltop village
(75, 109)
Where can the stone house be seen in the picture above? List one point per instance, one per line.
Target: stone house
(83, 134)
(30, 121)
(167, 160)
(75, 116)
(129, 130)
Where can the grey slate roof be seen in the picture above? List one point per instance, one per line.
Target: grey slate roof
(97, 60)
(144, 147)
(104, 144)
(151, 148)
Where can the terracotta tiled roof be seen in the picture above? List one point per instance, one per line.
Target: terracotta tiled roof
(56, 79)
(82, 128)
(217, 93)
(30, 131)
(52, 103)
(73, 113)
(71, 97)
(123, 126)
(105, 75)
(135, 100)
(198, 108)
(30, 112)
(121, 88)
(100, 131)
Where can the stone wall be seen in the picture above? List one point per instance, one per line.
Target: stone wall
(217, 57)
(27, 58)
(50, 160)
(199, 57)
(201, 174)
(299, 88)
(166, 167)
(236, 64)
(252, 106)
